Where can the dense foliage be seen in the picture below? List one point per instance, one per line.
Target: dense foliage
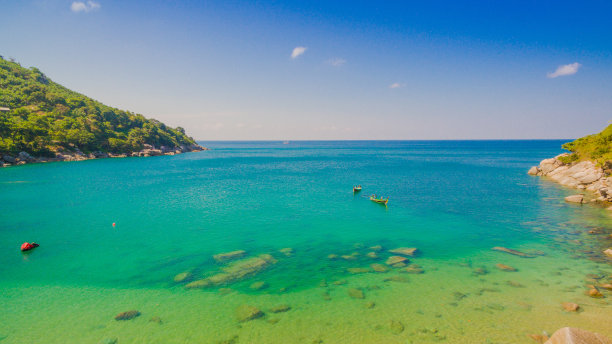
(597, 147)
(46, 117)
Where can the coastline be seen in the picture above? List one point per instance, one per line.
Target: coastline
(583, 175)
(23, 158)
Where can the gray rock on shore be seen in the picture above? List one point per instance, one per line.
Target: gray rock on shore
(583, 175)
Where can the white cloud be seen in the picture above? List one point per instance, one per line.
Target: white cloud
(297, 51)
(396, 85)
(79, 6)
(336, 62)
(568, 69)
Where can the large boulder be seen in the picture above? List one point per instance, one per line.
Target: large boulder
(575, 199)
(9, 159)
(572, 335)
(23, 156)
(533, 171)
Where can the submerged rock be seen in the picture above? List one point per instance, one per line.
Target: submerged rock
(156, 320)
(183, 277)
(395, 259)
(355, 271)
(227, 256)
(203, 283)
(515, 284)
(113, 340)
(570, 306)
(379, 267)
(128, 315)
(287, 251)
(356, 293)
(401, 279)
(413, 269)
(396, 326)
(575, 199)
(280, 308)
(376, 248)
(332, 256)
(246, 313)
(372, 255)
(572, 335)
(258, 285)
(479, 272)
(349, 257)
(539, 338)
(370, 304)
(505, 267)
(513, 252)
(406, 251)
(340, 282)
(235, 271)
(594, 293)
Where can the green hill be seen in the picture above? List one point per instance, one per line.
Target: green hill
(45, 117)
(596, 147)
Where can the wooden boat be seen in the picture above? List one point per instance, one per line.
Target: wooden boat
(379, 200)
(356, 188)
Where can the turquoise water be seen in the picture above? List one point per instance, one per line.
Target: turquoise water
(453, 200)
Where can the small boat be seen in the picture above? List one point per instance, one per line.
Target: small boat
(379, 200)
(356, 188)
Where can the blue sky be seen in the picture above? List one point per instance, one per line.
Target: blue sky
(369, 70)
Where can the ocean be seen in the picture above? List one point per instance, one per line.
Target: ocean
(114, 233)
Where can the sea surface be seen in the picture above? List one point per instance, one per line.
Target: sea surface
(452, 200)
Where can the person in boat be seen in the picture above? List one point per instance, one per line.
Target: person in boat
(26, 246)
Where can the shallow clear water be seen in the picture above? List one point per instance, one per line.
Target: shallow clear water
(453, 200)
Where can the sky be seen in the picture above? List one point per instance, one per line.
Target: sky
(325, 70)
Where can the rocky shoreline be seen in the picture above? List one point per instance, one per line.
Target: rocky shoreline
(583, 175)
(23, 158)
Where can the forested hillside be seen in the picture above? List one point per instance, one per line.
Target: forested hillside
(597, 147)
(45, 117)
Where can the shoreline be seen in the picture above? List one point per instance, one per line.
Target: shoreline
(583, 176)
(7, 160)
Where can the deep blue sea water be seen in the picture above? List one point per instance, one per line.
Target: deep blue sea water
(453, 200)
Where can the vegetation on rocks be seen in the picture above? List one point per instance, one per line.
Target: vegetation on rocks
(45, 118)
(596, 147)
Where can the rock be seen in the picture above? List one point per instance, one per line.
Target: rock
(156, 320)
(376, 248)
(355, 271)
(112, 340)
(533, 171)
(236, 271)
(340, 282)
(370, 304)
(280, 308)
(395, 259)
(572, 335)
(608, 252)
(128, 315)
(356, 293)
(246, 313)
(287, 251)
(232, 340)
(332, 256)
(504, 267)
(326, 296)
(515, 284)
(379, 268)
(183, 277)
(479, 272)
(570, 306)
(372, 255)
(607, 286)
(227, 256)
(396, 327)
(348, 257)
(513, 252)
(594, 293)
(401, 279)
(413, 269)
(203, 283)
(575, 199)
(23, 156)
(258, 285)
(9, 159)
(405, 251)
